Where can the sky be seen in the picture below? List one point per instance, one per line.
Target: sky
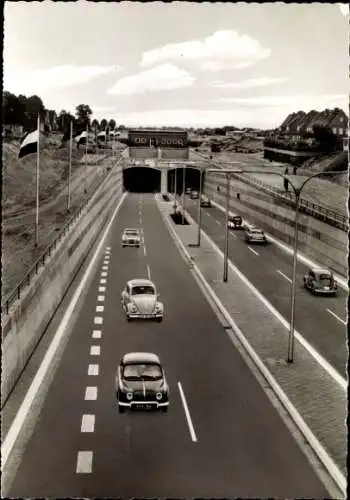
(179, 63)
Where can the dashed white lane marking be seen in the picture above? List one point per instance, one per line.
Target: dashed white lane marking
(218, 222)
(100, 298)
(90, 394)
(84, 462)
(336, 316)
(93, 369)
(95, 350)
(187, 413)
(103, 281)
(98, 320)
(104, 274)
(87, 423)
(284, 276)
(96, 334)
(144, 251)
(100, 309)
(148, 272)
(252, 250)
(101, 288)
(105, 268)
(108, 249)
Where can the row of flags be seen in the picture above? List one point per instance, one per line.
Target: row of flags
(31, 140)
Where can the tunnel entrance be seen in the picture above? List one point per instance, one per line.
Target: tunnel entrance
(141, 180)
(192, 179)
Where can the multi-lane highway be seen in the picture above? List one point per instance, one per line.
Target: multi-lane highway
(320, 319)
(221, 436)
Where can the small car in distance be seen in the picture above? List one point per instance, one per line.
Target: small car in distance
(205, 202)
(254, 234)
(235, 222)
(320, 281)
(141, 383)
(140, 300)
(188, 191)
(131, 238)
(194, 195)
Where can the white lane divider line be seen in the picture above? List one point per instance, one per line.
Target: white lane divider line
(98, 320)
(88, 423)
(104, 274)
(148, 272)
(103, 281)
(187, 413)
(100, 298)
(84, 462)
(90, 393)
(105, 268)
(336, 316)
(96, 334)
(144, 250)
(252, 250)
(95, 350)
(101, 288)
(218, 222)
(93, 370)
(232, 234)
(108, 249)
(284, 276)
(100, 309)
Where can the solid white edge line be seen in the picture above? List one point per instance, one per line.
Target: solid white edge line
(23, 410)
(300, 257)
(252, 250)
(328, 462)
(336, 316)
(284, 276)
(187, 413)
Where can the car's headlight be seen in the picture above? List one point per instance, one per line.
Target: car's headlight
(133, 308)
(158, 307)
(129, 395)
(159, 396)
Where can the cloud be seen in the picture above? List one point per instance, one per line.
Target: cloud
(163, 77)
(221, 50)
(59, 76)
(344, 8)
(302, 102)
(247, 84)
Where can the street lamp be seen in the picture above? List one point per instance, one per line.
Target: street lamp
(297, 192)
(183, 193)
(228, 174)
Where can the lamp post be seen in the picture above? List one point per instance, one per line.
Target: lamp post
(175, 171)
(200, 208)
(183, 193)
(228, 174)
(297, 192)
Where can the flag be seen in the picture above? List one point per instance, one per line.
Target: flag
(29, 144)
(66, 135)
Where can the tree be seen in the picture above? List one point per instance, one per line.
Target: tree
(324, 137)
(33, 106)
(94, 123)
(103, 124)
(112, 124)
(83, 113)
(12, 109)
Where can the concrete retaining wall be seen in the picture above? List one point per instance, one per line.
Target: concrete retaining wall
(28, 319)
(321, 242)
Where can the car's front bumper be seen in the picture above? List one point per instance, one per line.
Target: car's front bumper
(144, 404)
(254, 240)
(131, 244)
(145, 316)
(321, 291)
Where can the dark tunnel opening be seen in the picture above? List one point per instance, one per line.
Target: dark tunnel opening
(141, 180)
(192, 179)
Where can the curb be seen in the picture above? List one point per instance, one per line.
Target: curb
(316, 446)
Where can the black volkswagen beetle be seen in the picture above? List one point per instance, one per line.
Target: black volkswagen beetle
(235, 222)
(320, 281)
(141, 383)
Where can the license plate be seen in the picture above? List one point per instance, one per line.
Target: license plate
(145, 316)
(143, 406)
(327, 288)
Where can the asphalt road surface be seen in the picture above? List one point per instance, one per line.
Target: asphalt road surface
(320, 319)
(238, 445)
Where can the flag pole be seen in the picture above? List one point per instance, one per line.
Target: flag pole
(86, 144)
(70, 163)
(37, 185)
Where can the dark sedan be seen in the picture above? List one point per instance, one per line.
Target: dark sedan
(141, 383)
(320, 281)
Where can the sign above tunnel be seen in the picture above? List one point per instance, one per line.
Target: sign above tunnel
(164, 139)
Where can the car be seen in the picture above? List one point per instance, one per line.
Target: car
(320, 281)
(139, 300)
(194, 195)
(254, 234)
(235, 222)
(131, 238)
(141, 383)
(188, 191)
(205, 202)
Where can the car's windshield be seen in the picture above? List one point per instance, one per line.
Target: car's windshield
(149, 371)
(141, 290)
(131, 231)
(257, 231)
(325, 279)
